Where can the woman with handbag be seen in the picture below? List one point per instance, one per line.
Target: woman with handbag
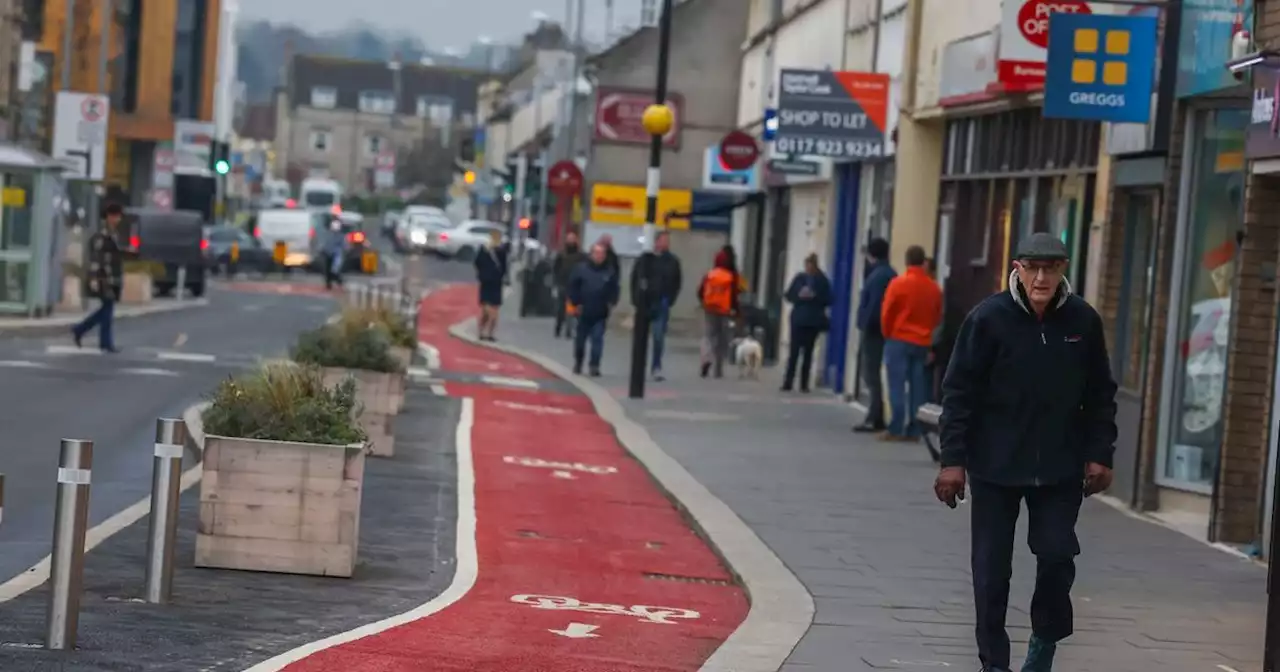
(810, 296)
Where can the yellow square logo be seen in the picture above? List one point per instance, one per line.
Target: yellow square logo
(1086, 41)
(1084, 71)
(1117, 42)
(1115, 73)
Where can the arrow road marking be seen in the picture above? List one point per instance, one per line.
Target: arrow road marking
(577, 631)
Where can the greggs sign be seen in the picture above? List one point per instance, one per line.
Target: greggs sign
(622, 204)
(1024, 38)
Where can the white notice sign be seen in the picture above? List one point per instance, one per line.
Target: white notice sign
(80, 134)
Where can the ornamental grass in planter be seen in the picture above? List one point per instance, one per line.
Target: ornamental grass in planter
(401, 332)
(283, 474)
(351, 349)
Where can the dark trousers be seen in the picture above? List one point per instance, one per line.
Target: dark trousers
(1051, 535)
(589, 330)
(564, 321)
(100, 318)
(802, 341)
(872, 359)
(332, 270)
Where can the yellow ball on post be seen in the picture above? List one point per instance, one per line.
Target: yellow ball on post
(658, 119)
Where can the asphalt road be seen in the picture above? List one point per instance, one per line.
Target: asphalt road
(48, 391)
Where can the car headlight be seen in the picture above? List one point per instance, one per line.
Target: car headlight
(419, 237)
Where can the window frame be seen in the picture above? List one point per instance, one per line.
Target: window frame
(328, 93)
(321, 147)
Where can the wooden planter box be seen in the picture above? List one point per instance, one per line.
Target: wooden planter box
(274, 506)
(137, 288)
(381, 396)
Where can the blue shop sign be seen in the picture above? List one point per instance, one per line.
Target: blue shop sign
(1100, 67)
(1204, 45)
(721, 221)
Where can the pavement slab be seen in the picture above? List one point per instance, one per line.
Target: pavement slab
(887, 566)
(228, 620)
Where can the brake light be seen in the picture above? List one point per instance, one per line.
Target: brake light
(444, 237)
(291, 203)
(135, 242)
(311, 233)
(204, 244)
(356, 237)
(337, 210)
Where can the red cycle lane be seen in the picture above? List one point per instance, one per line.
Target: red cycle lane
(583, 564)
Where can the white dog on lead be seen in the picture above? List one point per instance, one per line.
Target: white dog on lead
(748, 354)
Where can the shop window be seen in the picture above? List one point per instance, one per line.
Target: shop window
(1193, 438)
(1136, 277)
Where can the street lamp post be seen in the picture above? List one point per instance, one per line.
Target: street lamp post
(658, 120)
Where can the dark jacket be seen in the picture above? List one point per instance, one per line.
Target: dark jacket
(106, 266)
(1028, 401)
(666, 277)
(809, 312)
(491, 266)
(564, 264)
(871, 298)
(611, 260)
(594, 289)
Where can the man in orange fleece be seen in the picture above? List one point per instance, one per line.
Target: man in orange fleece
(912, 310)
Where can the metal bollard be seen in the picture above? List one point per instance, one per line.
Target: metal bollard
(71, 517)
(166, 477)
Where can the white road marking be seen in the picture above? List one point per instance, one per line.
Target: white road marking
(180, 341)
(1227, 668)
(532, 408)
(252, 308)
(561, 466)
(464, 576)
(185, 357)
(509, 382)
(438, 390)
(22, 364)
(577, 631)
(660, 615)
(919, 663)
(37, 574)
(145, 371)
(564, 475)
(431, 354)
(71, 350)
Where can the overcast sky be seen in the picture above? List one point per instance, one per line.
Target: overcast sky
(439, 23)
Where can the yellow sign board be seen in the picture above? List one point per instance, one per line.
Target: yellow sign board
(279, 251)
(369, 262)
(14, 197)
(626, 204)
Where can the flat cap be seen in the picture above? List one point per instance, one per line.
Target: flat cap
(1042, 247)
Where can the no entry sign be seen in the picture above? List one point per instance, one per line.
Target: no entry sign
(564, 178)
(738, 151)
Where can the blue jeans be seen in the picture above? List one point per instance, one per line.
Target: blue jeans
(100, 318)
(593, 330)
(908, 388)
(658, 320)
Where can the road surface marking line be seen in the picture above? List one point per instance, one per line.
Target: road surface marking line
(464, 576)
(180, 341)
(509, 382)
(431, 354)
(559, 466)
(564, 475)
(144, 371)
(577, 631)
(22, 364)
(37, 574)
(646, 613)
(71, 350)
(185, 357)
(532, 408)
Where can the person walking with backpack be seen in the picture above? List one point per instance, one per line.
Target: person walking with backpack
(562, 270)
(593, 291)
(106, 279)
(911, 312)
(718, 294)
(810, 296)
(666, 277)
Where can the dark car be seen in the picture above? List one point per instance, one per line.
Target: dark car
(171, 238)
(252, 257)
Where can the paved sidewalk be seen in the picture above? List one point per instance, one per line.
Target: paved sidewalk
(888, 566)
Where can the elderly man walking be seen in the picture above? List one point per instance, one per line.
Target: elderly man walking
(1028, 414)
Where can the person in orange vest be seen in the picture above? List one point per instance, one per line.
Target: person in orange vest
(718, 294)
(912, 310)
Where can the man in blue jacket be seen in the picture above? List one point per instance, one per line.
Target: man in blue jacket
(875, 281)
(593, 291)
(1028, 413)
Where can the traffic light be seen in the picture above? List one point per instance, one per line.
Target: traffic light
(469, 177)
(220, 157)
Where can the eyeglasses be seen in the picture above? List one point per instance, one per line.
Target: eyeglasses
(1049, 269)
